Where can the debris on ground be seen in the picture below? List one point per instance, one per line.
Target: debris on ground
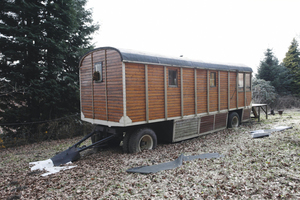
(172, 164)
(267, 132)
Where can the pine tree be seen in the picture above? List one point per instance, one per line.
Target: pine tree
(278, 76)
(40, 47)
(292, 63)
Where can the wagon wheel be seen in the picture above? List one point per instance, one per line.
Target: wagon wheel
(141, 140)
(233, 120)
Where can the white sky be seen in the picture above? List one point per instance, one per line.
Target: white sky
(226, 31)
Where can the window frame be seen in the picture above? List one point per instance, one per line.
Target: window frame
(171, 79)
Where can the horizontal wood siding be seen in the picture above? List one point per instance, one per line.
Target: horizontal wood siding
(213, 95)
(114, 86)
(188, 91)
(174, 95)
(95, 95)
(233, 91)
(241, 99)
(135, 92)
(86, 86)
(99, 88)
(220, 120)
(223, 90)
(246, 114)
(156, 92)
(207, 123)
(201, 91)
(248, 98)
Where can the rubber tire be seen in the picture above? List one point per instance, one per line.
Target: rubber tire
(136, 138)
(125, 146)
(233, 120)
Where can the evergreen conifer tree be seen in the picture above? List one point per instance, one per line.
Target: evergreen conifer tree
(292, 63)
(278, 76)
(41, 42)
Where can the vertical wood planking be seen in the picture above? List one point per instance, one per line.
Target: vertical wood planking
(228, 82)
(174, 95)
(233, 90)
(223, 90)
(219, 92)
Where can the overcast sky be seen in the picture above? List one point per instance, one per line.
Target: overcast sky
(223, 31)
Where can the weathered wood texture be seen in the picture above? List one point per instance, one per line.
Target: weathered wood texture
(201, 91)
(114, 86)
(135, 92)
(220, 120)
(174, 95)
(86, 87)
(246, 114)
(156, 92)
(96, 95)
(233, 90)
(223, 90)
(207, 123)
(188, 91)
(213, 95)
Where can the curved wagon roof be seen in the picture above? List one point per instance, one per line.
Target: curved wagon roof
(146, 58)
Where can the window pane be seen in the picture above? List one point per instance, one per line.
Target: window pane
(241, 80)
(248, 81)
(97, 76)
(172, 77)
(213, 79)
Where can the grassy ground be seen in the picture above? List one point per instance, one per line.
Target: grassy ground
(266, 168)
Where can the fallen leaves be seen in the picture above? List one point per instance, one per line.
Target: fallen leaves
(251, 168)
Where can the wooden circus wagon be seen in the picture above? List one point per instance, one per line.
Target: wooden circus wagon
(140, 98)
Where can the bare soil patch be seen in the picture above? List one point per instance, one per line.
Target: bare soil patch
(265, 168)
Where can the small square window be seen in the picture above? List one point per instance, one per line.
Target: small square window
(173, 78)
(97, 75)
(212, 80)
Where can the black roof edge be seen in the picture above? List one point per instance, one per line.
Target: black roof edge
(147, 58)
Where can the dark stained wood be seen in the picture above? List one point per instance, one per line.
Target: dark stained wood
(220, 120)
(207, 123)
(233, 91)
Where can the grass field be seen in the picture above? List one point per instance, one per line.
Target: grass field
(266, 168)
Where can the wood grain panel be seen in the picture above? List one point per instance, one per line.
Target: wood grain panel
(201, 91)
(207, 124)
(156, 98)
(213, 95)
(248, 98)
(188, 91)
(220, 120)
(241, 99)
(223, 90)
(86, 86)
(135, 92)
(174, 96)
(114, 86)
(233, 91)
(246, 114)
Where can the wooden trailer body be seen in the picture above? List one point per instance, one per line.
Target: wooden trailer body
(122, 89)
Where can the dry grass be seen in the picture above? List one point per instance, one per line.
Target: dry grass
(266, 168)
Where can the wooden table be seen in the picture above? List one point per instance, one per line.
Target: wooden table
(264, 107)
